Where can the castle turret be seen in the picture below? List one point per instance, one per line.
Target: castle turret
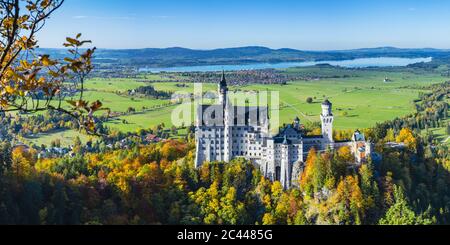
(297, 123)
(198, 152)
(327, 119)
(369, 149)
(223, 90)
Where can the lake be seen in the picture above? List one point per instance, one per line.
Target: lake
(355, 63)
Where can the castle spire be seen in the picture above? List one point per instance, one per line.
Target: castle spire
(223, 90)
(223, 74)
(223, 82)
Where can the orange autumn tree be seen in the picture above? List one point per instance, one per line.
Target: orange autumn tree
(32, 82)
(318, 173)
(406, 136)
(348, 202)
(345, 153)
(342, 135)
(308, 173)
(22, 162)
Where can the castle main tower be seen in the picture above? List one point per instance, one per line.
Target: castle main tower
(285, 177)
(327, 119)
(228, 119)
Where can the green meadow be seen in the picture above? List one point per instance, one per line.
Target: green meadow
(360, 98)
(359, 101)
(120, 103)
(112, 85)
(66, 138)
(440, 133)
(145, 120)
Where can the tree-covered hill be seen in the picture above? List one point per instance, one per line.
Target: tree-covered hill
(158, 185)
(168, 57)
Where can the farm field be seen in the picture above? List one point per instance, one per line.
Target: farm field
(112, 85)
(358, 102)
(142, 120)
(119, 103)
(65, 136)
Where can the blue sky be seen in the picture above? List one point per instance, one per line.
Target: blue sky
(307, 25)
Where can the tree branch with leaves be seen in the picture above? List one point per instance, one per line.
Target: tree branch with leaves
(31, 82)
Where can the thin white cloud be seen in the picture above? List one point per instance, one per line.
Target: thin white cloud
(80, 17)
(161, 17)
(104, 17)
(129, 17)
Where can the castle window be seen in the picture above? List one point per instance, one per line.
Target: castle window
(277, 173)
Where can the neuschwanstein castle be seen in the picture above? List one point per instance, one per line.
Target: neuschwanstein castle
(224, 132)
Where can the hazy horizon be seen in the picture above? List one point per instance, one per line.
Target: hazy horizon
(255, 46)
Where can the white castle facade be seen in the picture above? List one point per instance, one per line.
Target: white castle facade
(224, 132)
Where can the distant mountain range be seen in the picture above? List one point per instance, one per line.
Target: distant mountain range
(169, 57)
